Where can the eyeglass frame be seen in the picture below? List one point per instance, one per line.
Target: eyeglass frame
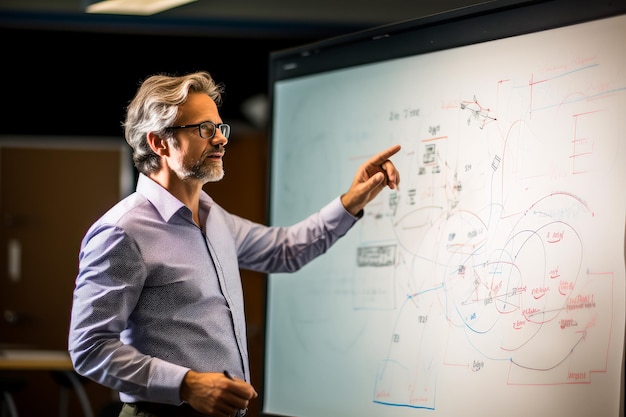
(215, 127)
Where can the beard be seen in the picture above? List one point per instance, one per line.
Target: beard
(204, 169)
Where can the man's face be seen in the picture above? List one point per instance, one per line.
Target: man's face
(196, 157)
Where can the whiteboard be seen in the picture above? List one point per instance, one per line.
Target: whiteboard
(492, 281)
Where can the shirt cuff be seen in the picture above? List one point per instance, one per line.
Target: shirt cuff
(338, 218)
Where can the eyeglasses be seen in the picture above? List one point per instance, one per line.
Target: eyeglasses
(207, 130)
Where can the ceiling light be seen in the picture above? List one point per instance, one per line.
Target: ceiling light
(134, 7)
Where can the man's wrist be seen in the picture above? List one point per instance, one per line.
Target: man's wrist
(185, 385)
(353, 209)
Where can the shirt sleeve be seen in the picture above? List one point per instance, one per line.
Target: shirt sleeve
(287, 249)
(108, 285)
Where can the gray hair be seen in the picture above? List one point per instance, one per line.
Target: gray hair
(155, 107)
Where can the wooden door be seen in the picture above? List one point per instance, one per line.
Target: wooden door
(50, 193)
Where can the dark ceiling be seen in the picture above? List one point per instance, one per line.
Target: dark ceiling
(229, 18)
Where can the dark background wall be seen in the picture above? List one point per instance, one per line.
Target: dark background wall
(71, 83)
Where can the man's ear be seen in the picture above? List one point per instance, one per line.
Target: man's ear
(158, 144)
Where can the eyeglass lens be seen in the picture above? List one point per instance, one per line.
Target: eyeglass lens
(225, 130)
(207, 130)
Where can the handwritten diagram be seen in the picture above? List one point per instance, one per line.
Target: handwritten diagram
(511, 282)
(494, 276)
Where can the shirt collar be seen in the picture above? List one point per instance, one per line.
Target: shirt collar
(166, 204)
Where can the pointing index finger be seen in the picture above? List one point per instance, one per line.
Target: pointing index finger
(381, 157)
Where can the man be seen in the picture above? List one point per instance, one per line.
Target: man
(158, 310)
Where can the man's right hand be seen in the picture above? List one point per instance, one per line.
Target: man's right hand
(215, 394)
